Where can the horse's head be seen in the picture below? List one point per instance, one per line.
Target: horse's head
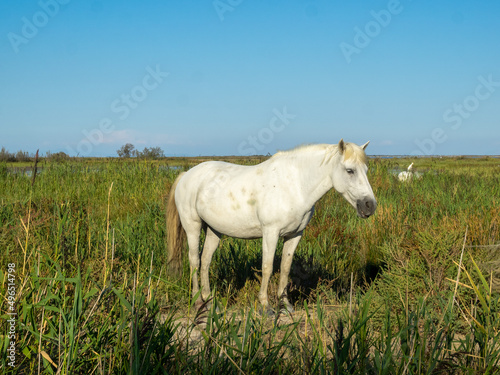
(349, 178)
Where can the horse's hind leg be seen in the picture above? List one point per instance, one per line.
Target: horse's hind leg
(211, 242)
(193, 238)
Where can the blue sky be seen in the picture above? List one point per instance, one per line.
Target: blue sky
(240, 77)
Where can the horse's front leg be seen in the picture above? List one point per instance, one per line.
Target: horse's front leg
(269, 242)
(289, 247)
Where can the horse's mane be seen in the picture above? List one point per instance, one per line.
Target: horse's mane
(352, 151)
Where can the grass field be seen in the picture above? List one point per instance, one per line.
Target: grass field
(411, 290)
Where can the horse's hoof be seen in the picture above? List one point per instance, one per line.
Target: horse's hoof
(267, 311)
(202, 309)
(199, 305)
(287, 309)
(285, 306)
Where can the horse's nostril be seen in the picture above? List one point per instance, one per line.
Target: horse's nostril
(370, 205)
(366, 207)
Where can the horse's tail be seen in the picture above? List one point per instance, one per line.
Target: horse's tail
(175, 232)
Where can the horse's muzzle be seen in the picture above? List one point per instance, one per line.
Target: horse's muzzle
(366, 207)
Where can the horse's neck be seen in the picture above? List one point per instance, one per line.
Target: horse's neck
(315, 176)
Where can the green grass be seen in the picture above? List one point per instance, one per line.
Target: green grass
(371, 296)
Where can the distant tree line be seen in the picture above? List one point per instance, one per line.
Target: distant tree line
(128, 151)
(6, 156)
(20, 156)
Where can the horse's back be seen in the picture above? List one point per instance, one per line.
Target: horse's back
(223, 196)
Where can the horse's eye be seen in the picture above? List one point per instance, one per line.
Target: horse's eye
(350, 171)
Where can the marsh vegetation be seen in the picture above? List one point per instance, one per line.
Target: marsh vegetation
(412, 290)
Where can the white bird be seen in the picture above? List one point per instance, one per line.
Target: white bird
(406, 175)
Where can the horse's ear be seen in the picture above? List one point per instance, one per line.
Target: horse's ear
(364, 146)
(341, 146)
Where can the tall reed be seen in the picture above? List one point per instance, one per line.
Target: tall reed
(379, 296)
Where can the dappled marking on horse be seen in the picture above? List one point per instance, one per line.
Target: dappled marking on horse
(272, 199)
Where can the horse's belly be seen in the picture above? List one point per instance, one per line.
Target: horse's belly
(233, 220)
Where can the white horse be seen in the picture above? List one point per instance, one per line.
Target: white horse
(270, 200)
